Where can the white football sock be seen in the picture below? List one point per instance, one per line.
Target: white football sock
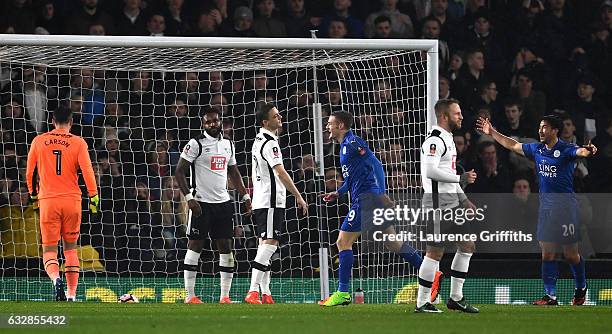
(227, 261)
(265, 283)
(191, 259)
(264, 253)
(427, 273)
(459, 269)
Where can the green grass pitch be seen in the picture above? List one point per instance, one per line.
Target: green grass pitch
(308, 318)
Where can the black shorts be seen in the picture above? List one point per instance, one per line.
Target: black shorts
(216, 220)
(441, 227)
(268, 222)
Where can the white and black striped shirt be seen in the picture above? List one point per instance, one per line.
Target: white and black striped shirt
(268, 190)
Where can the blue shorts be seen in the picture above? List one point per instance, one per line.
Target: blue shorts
(559, 224)
(360, 216)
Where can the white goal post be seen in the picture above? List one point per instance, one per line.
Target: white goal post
(391, 86)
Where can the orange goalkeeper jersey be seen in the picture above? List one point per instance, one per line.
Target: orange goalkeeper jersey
(57, 156)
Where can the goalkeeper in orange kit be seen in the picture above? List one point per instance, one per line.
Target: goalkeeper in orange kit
(54, 160)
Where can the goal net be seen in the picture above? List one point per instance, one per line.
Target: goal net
(137, 102)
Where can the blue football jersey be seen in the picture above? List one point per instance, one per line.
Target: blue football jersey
(361, 170)
(555, 168)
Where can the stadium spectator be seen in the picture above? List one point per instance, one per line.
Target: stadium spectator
(242, 24)
(586, 109)
(354, 26)
(82, 84)
(334, 96)
(17, 17)
(601, 164)
(488, 93)
(177, 21)
(526, 60)
(19, 230)
(451, 31)
(533, 102)
(298, 21)
(401, 24)
(97, 30)
(493, 177)
(455, 65)
(156, 25)
(483, 36)
(398, 180)
(337, 28)
(173, 218)
(471, 76)
(157, 167)
(16, 126)
(558, 32)
(462, 145)
(513, 123)
(430, 29)
(206, 23)
(215, 82)
(444, 87)
(382, 27)
(86, 15)
(132, 20)
(35, 96)
(266, 24)
(48, 19)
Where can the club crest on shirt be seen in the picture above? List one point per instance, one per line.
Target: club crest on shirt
(187, 147)
(275, 152)
(556, 154)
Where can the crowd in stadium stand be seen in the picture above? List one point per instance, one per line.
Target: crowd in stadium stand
(511, 61)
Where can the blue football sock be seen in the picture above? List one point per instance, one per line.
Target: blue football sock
(550, 272)
(411, 255)
(346, 267)
(579, 274)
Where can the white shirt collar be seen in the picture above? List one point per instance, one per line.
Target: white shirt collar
(440, 129)
(263, 130)
(209, 137)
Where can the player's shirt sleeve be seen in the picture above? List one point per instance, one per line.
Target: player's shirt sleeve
(232, 159)
(379, 173)
(344, 188)
(191, 150)
(271, 153)
(432, 148)
(87, 169)
(529, 149)
(570, 151)
(432, 151)
(31, 166)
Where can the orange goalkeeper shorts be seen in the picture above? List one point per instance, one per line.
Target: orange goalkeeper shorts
(59, 217)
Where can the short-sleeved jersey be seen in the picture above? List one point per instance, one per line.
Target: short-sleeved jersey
(268, 190)
(555, 168)
(209, 158)
(57, 156)
(360, 168)
(439, 150)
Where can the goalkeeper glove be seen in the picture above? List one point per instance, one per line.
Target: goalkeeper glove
(34, 201)
(94, 204)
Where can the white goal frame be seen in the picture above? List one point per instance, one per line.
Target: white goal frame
(430, 47)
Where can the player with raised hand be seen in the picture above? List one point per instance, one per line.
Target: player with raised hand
(270, 182)
(442, 188)
(211, 159)
(364, 178)
(54, 161)
(558, 223)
